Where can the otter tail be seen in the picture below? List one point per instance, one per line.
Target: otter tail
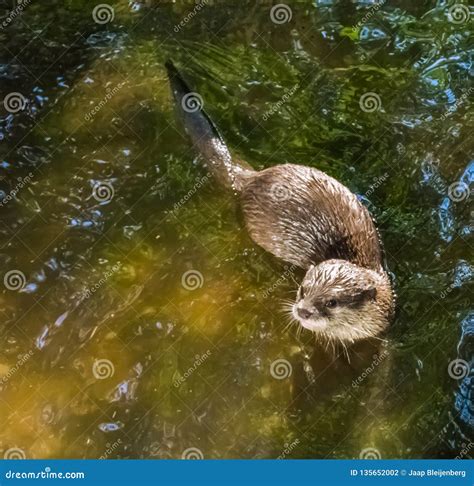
(204, 134)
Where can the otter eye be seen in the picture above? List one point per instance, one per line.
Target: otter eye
(331, 303)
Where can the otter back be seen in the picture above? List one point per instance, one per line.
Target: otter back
(298, 213)
(303, 216)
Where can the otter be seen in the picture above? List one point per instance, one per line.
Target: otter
(306, 218)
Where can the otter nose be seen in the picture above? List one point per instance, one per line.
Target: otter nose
(304, 313)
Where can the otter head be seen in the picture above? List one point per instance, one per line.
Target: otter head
(342, 301)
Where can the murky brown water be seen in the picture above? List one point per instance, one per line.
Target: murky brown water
(138, 319)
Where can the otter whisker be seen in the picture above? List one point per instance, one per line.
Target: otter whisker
(346, 352)
(289, 324)
(299, 331)
(369, 335)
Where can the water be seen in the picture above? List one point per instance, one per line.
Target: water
(138, 318)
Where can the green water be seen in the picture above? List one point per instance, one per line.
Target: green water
(104, 352)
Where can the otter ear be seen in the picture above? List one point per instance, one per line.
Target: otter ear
(365, 293)
(369, 293)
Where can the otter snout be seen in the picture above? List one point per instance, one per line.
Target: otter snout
(305, 310)
(304, 313)
(309, 317)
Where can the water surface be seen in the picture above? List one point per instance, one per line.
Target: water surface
(138, 320)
